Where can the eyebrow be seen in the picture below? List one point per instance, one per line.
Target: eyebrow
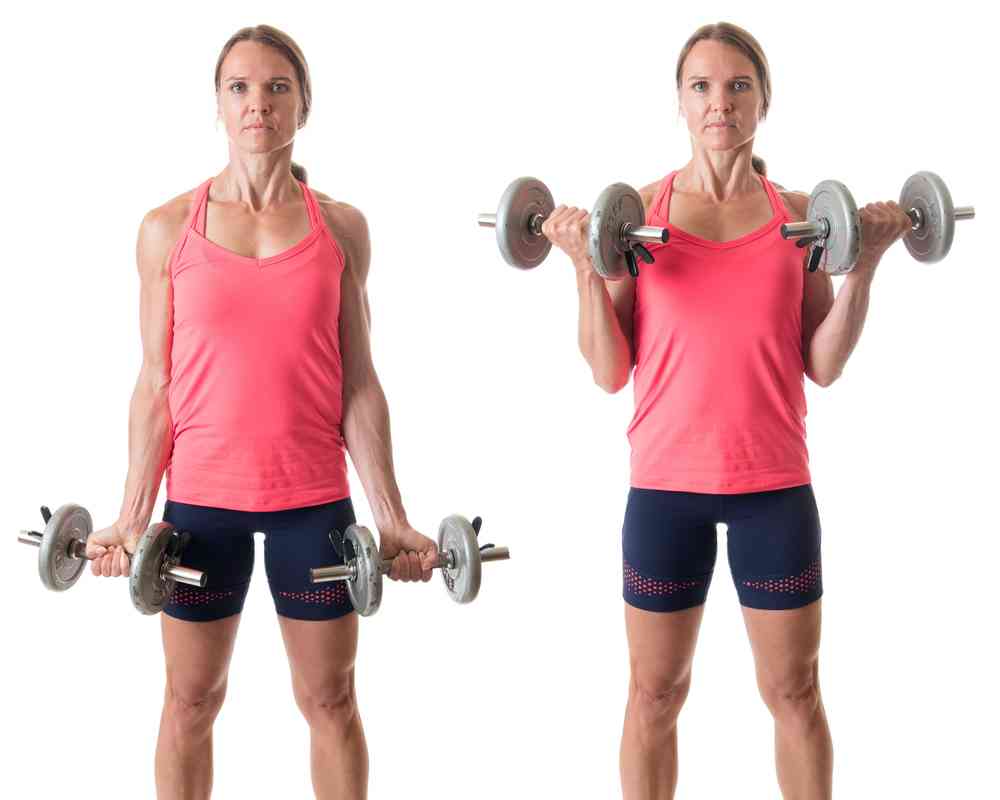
(734, 78)
(244, 78)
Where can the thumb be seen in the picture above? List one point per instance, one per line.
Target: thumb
(99, 542)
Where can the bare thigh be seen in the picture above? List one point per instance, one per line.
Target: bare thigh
(321, 655)
(197, 656)
(785, 648)
(661, 647)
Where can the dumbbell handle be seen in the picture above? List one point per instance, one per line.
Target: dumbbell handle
(637, 233)
(78, 549)
(820, 229)
(961, 212)
(348, 572)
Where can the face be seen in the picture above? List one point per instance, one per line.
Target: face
(259, 98)
(720, 97)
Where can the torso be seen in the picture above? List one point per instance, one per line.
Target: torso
(701, 216)
(265, 234)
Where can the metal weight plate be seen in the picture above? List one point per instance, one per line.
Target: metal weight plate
(519, 246)
(618, 204)
(56, 567)
(456, 535)
(927, 193)
(146, 585)
(365, 590)
(832, 201)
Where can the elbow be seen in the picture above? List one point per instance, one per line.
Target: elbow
(824, 379)
(612, 384)
(155, 378)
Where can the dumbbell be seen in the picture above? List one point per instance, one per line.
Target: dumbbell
(617, 228)
(832, 224)
(460, 559)
(155, 565)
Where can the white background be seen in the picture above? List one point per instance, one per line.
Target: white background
(422, 114)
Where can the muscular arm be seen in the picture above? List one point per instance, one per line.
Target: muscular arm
(606, 320)
(831, 326)
(365, 416)
(150, 428)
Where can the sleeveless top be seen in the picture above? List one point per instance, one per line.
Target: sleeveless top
(256, 374)
(719, 376)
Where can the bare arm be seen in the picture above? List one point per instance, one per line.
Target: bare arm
(150, 438)
(605, 326)
(605, 329)
(150, 429)
(831, 326)
(365, 416)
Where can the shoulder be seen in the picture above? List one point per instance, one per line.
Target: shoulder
(796, 202)
(346, 223)
(648, 192)
(349, 229)
(162, 227)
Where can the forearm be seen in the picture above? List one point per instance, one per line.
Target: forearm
(150, 440)
(838, 334)
(601, 340)
(365, 425)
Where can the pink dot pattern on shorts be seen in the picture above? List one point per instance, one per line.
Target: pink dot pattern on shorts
(804, 582)
(638, 584)
(189, 596)
(327, 596)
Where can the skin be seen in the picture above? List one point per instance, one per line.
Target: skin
(717, 196)
(255, 208)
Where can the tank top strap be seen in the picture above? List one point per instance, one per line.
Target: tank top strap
(657, 208)
(777, 204)
(312, 206)
(197, 219)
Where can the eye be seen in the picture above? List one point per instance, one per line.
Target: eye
(737, 84)
(696, 84)
(234, 85)
(279, 87)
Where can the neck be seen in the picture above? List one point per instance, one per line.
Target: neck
(258, 181)
(721, 174)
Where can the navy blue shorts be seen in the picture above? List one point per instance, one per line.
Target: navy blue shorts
(669, 547)
(222, 544)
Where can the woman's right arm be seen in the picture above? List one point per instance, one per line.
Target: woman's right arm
(605, 328)
(150, 429)
(606, 307)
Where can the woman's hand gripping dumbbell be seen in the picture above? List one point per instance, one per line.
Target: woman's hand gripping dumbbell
(460, 559)
(68, 542)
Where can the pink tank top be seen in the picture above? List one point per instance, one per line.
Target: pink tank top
(719, 390)
(255, 377)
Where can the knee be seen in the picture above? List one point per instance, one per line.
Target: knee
(330, 703)
(792, 696)
(193, 707)
(656, 701)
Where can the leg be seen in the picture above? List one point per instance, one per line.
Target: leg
(774, 553)
(786, 654)
(669, 545)
(199, 630)
(321, 637)
(661, 648)
(197, 656)
(321, 656)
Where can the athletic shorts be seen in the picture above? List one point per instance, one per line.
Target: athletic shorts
(669, 547)
(222, 545)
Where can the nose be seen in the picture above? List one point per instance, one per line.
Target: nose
(257, 102)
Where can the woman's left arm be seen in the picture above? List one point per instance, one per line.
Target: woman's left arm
(365, 413)
(831, 326)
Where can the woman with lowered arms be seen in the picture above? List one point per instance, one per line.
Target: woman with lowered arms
(720, 331)
(256, 377)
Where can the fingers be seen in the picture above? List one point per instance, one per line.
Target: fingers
(113, 562)
(413, 565)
